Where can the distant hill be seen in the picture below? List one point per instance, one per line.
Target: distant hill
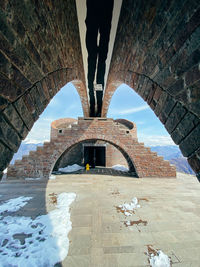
(174, 155)
(171, 153)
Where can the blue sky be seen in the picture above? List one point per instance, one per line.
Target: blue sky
(125, 104)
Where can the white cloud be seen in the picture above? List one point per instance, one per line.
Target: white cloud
(128, 110)
(155, 140)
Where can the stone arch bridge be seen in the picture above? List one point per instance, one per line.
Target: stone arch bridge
(154, 47)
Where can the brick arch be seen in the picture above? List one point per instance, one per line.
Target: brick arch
(123, 150)
(40, 52)
(40, 163)
(182, 124)
(156, 52)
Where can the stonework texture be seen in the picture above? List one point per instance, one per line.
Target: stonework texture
(156, 52)
(39, 53)
(140, 159)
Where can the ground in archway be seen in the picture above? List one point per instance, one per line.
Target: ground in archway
(168, 217)
(102, 171)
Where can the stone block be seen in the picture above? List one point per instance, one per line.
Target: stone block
(9, 90)
(5, 156)
(166, 108)
(161, 103)
(194, 162)
(38, 104)
(24, 113)
(191, 143)
(176, 87)
(42, 94)
(174, 117)
(3, 102)
(27, 99)
(192, 76)
(8, 135)
(184, 127)
(16, 121)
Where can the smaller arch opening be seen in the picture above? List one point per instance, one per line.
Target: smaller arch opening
(104, 157)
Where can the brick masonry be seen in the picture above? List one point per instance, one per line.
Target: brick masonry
(140, 159)
(39, 53)
(156, 52)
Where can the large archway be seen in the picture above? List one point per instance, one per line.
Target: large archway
(129, 161)
(182, 124)
(40, 163)
(156, 52)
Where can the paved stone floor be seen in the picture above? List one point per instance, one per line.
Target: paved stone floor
(101, 171)
(171, 208)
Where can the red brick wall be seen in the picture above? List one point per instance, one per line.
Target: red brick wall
(40, 163)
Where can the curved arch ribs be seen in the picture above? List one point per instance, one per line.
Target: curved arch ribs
(40, 163)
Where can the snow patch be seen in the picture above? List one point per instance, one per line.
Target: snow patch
(119, 167)
(71, 168)
(128, 208)
(14, 204)
(32, 179)
(159, 260)
(39, 242)
(52, 177)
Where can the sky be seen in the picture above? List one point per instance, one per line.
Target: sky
(125, 103)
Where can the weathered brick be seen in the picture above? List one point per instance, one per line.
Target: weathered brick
(184, 127)
(191, 143)
(192, 76)
(175, 117)
(27, 99)
(8, 90)
(124, 139)
(5, 156)
(194, 162)
(167, 107)
(8, 135)
(24, 113)
(3, 102)
(14, 119)
(39, 105)
(176, 88)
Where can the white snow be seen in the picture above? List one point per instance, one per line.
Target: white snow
(129, 207)
(160, 260)
(52, 177)
(14, 204)
(71, 168)
(119, 167)
(32, 179)
(45, 237)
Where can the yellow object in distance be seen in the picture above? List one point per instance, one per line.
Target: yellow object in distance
(87, 167)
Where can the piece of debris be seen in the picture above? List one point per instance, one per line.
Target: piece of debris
(53, 198)
(143, 199)
(131, 223)
(116, 192)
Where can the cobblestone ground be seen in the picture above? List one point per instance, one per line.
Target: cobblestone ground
(168, 219)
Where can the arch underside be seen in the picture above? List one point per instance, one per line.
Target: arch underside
(156, 52)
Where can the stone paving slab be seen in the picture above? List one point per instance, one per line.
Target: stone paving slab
(99, 236)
